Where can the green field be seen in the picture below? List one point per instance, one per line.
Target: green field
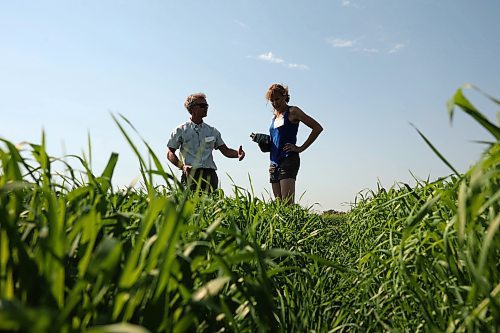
(77, 254)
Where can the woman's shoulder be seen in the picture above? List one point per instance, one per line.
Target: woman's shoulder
(294, 113)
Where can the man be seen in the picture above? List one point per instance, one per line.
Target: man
(196, 141)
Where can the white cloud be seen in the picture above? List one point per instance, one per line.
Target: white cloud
(298, 66)
(349, 3)
(397, 48)
(241, 24)
(270, 57)
(337, 42)
(369, 50)
(356, 46)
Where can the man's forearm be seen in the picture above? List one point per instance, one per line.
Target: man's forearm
(172, 157)
(231, 153)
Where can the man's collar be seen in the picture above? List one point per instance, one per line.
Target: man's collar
(195, 124)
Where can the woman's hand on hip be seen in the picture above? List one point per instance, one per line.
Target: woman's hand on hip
(289, 147)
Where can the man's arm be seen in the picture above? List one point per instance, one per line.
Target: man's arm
(172, 157)
(231, 153)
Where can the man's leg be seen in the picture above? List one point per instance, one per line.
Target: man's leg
(189, 181)
(205, 179)
(212, 180)
(194, 179)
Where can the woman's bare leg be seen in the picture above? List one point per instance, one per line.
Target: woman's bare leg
(288, 190)
(276, 190)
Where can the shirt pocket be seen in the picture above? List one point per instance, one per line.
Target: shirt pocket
(209, 142)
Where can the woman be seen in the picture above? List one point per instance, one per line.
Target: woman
(284, 152)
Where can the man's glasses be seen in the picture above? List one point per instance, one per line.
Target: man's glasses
(201, 105)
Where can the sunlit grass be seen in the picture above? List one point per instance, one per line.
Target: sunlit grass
(77, 254)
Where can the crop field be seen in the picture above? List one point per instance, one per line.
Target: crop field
(78, 254)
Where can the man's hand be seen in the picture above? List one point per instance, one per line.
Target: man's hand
(241, 154)
(186, 169)
(232, 153)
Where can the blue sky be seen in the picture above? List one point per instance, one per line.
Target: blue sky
(363, 69)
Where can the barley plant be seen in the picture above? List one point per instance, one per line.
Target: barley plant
(78, 254)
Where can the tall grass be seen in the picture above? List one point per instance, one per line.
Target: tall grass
(77, 254)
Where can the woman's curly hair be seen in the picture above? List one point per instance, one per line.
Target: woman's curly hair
(279, 88)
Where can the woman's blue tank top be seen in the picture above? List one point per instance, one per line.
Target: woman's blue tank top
(286, 133)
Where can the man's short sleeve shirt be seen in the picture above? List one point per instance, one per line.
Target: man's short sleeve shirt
(196, 143)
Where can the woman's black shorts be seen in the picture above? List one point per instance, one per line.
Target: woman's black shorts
(288, 168)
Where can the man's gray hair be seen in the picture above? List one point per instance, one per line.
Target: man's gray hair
(192, 98)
